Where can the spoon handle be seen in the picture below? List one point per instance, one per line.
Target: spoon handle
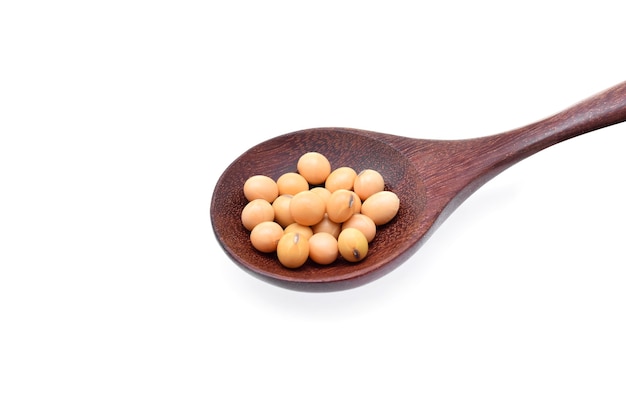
(599, 111)
(454, 169)
(479, 160)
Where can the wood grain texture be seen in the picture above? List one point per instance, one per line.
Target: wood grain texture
(431, 177)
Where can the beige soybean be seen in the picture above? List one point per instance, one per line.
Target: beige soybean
(307, 208)
(282, 214)
(326, 225)
(357, 203)
(314, 167)
(291, 183)
(303, 230)
(368, 182)
(352, 245)
(255, 212)
(323, 248)
(381, 207)
(340, 178)
(322, 192)
(265, 236)
(342, 204)
(292, 250)
(362, 223)
(260, 187)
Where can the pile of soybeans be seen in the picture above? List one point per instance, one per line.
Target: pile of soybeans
(316, 212)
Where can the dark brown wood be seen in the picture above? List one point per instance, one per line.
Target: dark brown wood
(432, 178)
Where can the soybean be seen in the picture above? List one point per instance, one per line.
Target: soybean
(292, 250)
(307, 208)
(368, 182)
(265, 236)
(314, 167)
(326, 225)
(305, 231)
(291, 183)
(381, 207)
(352, 244)
(340, 178)
(362, 223)
(255, 212)
(260, 187)
(282, 215)
(322, 192)
(342, 204)
(323, 248)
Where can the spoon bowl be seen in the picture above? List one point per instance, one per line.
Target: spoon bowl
(343, 147)
(431, 178)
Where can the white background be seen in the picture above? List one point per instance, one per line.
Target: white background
(117, 118)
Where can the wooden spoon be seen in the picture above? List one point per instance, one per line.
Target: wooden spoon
(431, 177)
